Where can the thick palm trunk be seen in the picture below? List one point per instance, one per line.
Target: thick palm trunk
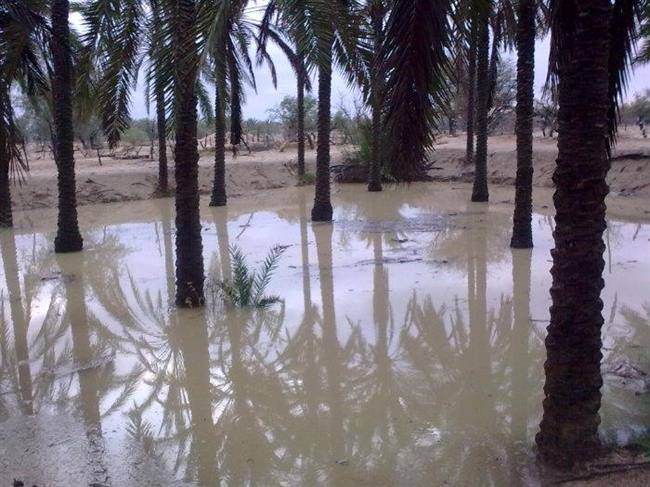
(189, 247)
(374, 173)
(480, 190)
(569, 428)
(471, 92)
(163, 178)
(68, 237)
(522, 232)
(219, 197)
(300, 99)
(161, 120)
(322, 211)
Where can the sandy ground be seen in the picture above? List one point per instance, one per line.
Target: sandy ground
(629, 175)
(127, 180)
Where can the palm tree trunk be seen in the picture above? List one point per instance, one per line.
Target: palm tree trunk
(6, 218)
(219, 197)
(163, 178)
(161, 120)
(189, 246)
(569, 428)
(471, 91)
(480, 190)
(494, 60)
(374, 174)
(300, 99)
(322, 211)
(522, 232)
(68, 238)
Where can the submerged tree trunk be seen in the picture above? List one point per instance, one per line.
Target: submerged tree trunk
(219, 197)
(569, 428)
(522, 232)
(480, 190)
(322, 211)
(471, 92)
(300, 99)
(374, 171)
(189, 246)
(68, 237)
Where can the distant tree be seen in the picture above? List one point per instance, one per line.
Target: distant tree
(546, 110)
(286, 113)
(504, 96)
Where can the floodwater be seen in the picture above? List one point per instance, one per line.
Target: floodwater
(408, 349)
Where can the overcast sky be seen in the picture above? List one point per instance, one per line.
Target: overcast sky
(258, 103)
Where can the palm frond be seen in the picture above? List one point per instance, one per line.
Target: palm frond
(417, 71)
(625, 24)
(247, 287)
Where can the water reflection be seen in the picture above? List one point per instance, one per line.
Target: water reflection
(401, 355)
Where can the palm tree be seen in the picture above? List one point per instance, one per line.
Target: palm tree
(591, 66)
(377, 10)
(68, 237)
(417, 73)
(189, 246)
(230, 34)
(118, 39)
(322, 210)
(291, 18)
(522, 232)
(23, 34)
(482, 18)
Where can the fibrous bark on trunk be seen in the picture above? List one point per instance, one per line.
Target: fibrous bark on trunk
(471, 92)
(322, 210)
(480, 189)
(300, 100)
(522, 233)
(374, 172)
(569, 428)
(219, 197)
(189, 246)
(68, 237)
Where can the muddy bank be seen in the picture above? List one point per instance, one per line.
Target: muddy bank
(629, 175)
(118, 180)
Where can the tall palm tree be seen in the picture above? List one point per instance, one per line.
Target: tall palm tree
(68, 237)
(482, 18)
(23, 38)
(322, 210)
(522, 233)
(291, 19)
(377, 10)
(189, 246)
(591, 47)
(120, 39)
(230, 32)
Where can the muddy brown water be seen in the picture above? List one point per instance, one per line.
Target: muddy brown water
(408, 349)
